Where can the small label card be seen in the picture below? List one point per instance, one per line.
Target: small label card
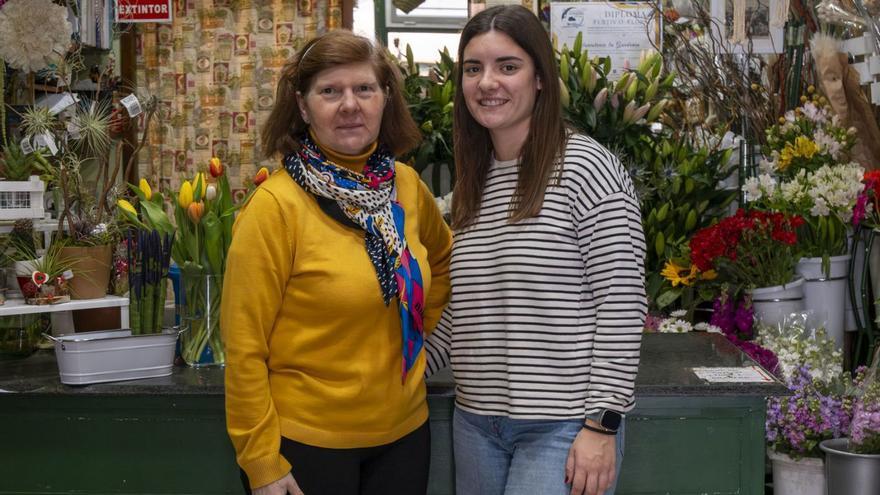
(26, 147)
(749, 374)
(73, 130)
(46, 140)
(132, 104)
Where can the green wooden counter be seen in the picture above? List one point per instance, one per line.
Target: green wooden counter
(167, 435)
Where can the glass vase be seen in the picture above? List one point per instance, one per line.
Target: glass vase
(199, 312)
(20, 335)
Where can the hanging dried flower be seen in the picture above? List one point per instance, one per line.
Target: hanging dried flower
(33, 33)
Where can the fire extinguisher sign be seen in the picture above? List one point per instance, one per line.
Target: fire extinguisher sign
(143, 10)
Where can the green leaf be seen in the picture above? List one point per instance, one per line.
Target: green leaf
(668, 297)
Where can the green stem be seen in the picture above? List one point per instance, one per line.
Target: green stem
(3, 102)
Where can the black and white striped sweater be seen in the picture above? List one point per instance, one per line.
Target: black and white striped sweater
(546, 314)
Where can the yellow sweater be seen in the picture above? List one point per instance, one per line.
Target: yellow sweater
(312, 353)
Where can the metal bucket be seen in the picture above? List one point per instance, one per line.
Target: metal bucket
(848, 473)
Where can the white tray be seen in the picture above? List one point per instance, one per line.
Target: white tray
(108, 356)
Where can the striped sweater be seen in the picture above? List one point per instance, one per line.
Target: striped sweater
(546, 314)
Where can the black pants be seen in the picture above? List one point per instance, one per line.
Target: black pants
(397, 468)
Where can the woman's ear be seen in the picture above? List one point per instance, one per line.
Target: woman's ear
(301, 103)
(538, 82)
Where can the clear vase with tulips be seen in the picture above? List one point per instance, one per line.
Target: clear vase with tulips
(204, 214)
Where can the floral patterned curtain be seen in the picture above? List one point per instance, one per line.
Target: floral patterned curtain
(214, 71)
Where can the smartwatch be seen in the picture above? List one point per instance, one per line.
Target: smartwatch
(609, 420)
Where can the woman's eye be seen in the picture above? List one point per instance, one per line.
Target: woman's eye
(327, 91)
(508, 68)
(473, 69)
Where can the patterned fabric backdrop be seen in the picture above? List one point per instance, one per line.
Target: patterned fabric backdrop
(214, 70)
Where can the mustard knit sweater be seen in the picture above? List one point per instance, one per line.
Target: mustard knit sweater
(312, 353)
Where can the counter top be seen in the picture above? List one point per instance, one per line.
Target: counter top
(666, 370)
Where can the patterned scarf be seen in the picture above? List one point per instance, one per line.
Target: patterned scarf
(368, 200)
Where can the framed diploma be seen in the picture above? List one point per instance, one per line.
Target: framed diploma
(619, 30)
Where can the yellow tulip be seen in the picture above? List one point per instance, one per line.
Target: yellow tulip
(144, 186)
(125, 205)
(199, 183)
(185, 196)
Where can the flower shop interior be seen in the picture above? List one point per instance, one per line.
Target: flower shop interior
(750, 128)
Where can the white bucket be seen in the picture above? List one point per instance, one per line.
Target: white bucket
(805, 476)
(826, 295)
(773, 304)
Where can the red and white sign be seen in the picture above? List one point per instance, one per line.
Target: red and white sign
(143, 10)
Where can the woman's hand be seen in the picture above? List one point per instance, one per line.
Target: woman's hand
(284, 486)
(590, 468)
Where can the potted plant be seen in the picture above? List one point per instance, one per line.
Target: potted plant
(816, 410)
(852, 465)
(756, 252)
(808, 173)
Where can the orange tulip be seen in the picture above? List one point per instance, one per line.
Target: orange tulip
(215, 167)
(261, 176)
(195, 210)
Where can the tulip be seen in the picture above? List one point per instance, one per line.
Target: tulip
(261, 176)
(215, 167)
(599, 101)
(144, 186)
(195, 211)
(185, 196)
(125, 205)
(211, 192)
(199, 183)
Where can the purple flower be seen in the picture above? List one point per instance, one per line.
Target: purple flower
(859, 208)
(814, 412)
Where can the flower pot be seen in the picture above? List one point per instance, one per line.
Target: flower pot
(91, 270)
(849, 473)
(826, 295)
(199, 314)
(805, 476)
(19, 335)
(22, 271)
(773, 304)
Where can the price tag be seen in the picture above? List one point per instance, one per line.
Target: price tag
(26, 147)
(46, 140)
(132, 104)
(73, 130)
(67, 275)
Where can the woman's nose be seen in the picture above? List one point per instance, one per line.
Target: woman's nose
(349, 102)
(488, 80)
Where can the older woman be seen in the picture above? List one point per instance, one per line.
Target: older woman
(338, 265)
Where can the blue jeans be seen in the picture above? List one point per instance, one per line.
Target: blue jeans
(497, 455)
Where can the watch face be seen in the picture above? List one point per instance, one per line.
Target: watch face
(610, 420)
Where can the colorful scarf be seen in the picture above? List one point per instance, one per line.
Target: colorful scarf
(369, 200)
